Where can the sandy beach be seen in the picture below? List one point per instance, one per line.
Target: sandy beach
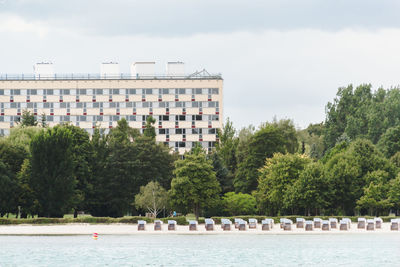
(131, 229)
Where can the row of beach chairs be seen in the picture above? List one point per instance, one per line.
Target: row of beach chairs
(285, 224)
(332, 223)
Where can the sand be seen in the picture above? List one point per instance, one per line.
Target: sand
(131, 229)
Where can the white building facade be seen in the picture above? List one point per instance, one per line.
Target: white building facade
(187, 108)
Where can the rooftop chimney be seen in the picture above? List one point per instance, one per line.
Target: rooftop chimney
(109, 70)
(175, 68)
(143, 69)
(43, 70)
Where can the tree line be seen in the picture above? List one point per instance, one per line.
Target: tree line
(349, 164)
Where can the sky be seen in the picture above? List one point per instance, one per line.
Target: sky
(278, 58)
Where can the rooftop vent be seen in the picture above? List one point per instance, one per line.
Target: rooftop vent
(43, 70)
(175, 68)
(143, 69)
(109, 70)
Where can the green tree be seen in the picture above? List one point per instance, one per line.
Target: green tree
(239, 204)
(81, 151)
(276, 177)
(195, 185)
(52, 171)
(347, 173)
(8, 187)
(152, 197)
(310, 193)
(149, 130)
(263, 144)
(28, 119)
(227, 146)
(394, 193)
(389, 143)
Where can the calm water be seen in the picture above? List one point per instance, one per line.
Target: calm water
(192, 250)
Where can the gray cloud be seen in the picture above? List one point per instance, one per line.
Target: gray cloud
(188, 17)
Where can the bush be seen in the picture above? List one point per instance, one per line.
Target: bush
(180, 220)
(239, 203)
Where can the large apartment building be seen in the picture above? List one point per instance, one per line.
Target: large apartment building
(187, 108)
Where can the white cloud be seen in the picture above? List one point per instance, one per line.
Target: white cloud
(15, 24)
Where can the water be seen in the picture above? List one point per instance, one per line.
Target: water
(202, 250)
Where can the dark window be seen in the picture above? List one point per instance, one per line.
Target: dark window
(180, 118)
(197, 117)
(161, 131)
(148, 91)
(179, 144)
(215, 91)
(131, 91)
(212, 131)
(115, 91)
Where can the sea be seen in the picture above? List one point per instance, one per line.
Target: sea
(202, 250)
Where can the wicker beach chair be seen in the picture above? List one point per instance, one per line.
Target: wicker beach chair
(226, 224)
(309, 225)
(394, 224)
(171, 225)
(287, 225)
(242, 225)
(343, 225)
(237, 220)
(266, 225)
(281, 221)
(192, 225)
(158, 225)
(348, 222)
(378, 223)
(370, 224)
(333, 223)
(300, 222)
(209, 224)
(325, 225)
(317, 222)
(141, 225)
(252, 223)
(361, 223)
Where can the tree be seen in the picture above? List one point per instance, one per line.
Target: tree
(347, 173)
(310, 193)
(28, 119)
(227, 146)
(276, 176)
(286, 126)
(43, 120)
(195, 185)
(81, 151)
(52, 171)
(8, 187)
(239, 204)
(152, 197)
(263, 144)
(394, 193)
(389, 143)
(149, 130)
(221, 172)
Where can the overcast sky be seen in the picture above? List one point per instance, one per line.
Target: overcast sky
(278, 58)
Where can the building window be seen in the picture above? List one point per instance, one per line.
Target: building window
(148, 91)
(131, 91)
(197, 117)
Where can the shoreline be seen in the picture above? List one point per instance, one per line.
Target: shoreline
(131, 229)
